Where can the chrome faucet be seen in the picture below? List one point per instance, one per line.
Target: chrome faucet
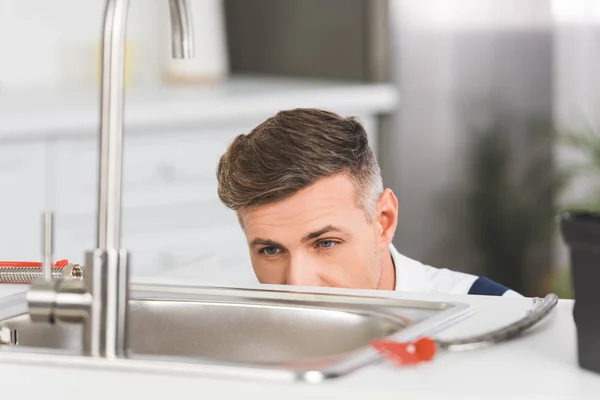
(111, 122)
(100, 301)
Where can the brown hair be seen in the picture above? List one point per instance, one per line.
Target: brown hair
(291, 151)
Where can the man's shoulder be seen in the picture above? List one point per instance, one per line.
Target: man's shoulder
(414, 276)
(487, 287)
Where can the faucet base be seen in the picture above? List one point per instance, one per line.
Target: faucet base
(107, 281)
(99, 302)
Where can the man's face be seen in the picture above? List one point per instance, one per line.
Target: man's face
(321, 237)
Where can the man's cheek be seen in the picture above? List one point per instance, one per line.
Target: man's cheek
(268, 272)
(338, 267)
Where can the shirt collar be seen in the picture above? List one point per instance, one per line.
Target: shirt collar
(394, 253)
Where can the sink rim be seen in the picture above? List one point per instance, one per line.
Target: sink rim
(449, 314)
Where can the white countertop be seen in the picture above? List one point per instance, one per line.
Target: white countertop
(540, 365)
(43, 113)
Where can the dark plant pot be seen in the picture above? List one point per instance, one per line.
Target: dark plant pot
(581, 233)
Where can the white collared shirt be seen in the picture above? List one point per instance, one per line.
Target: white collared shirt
(413, 276)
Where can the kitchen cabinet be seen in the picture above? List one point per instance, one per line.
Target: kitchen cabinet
(172, 217)
(170, 201)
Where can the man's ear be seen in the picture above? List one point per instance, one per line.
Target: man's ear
(386, 215)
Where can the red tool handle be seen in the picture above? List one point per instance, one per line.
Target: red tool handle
(31, 264)
(409, 353)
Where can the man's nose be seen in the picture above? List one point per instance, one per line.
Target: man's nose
(302, 271)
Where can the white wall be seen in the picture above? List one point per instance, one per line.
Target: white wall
(56, 43)
(448, 56)
(541, 56)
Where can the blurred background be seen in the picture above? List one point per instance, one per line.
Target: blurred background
(483, 113)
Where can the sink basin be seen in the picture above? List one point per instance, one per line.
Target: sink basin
(297, 334)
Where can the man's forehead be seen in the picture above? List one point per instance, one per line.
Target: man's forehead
(336, 191)
(296, 229)
(317, 219)
(330, 201)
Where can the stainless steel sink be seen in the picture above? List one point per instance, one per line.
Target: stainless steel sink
(212, 331)
(298, 335)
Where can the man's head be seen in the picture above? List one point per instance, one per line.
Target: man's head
(308, 193)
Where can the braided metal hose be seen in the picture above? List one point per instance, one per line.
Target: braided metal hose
(539, 311)
(26, 275)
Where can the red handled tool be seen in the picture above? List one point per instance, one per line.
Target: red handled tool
(407, 353)
(424, 349)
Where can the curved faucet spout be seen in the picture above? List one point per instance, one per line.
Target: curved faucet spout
(182, 29)
(111, 121)
(105, 330)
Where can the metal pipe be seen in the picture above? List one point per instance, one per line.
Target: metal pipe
(48, 244)
(111, 124)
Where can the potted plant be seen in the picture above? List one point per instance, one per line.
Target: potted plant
(510, 200)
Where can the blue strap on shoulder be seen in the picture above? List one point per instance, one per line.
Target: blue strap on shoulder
(487, 287)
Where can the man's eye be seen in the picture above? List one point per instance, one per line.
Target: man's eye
(270, 251)
(326, 244)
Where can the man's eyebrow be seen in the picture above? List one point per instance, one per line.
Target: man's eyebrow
(265, 242)
(322, 231)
